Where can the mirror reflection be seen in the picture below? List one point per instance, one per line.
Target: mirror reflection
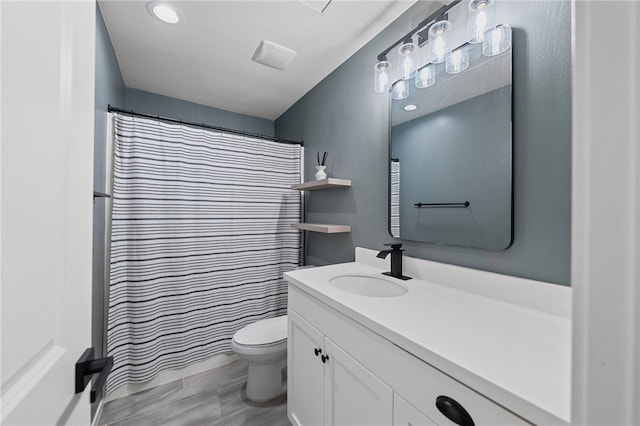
(450, 151)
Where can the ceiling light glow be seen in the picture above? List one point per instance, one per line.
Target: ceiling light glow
(163, 12)
(410, 107)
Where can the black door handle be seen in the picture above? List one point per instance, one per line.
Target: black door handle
(317, 351)
(325, 358)
(452, 410)
(86, 367)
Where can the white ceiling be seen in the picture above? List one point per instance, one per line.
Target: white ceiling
(206, 58)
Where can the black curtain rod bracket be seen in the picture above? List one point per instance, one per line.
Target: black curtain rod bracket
(204, 126)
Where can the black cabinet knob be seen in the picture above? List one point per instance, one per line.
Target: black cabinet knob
(452, 410)
(325, 358)
(317, 351)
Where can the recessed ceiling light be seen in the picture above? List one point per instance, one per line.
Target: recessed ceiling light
(410, 107)
(163, 12)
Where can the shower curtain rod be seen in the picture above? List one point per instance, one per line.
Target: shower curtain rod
(206, 126)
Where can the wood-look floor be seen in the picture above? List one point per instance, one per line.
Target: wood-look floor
(214, 398)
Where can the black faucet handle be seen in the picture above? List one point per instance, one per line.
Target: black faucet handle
(394, 246)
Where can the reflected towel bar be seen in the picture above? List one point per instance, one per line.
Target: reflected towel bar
(463, 205)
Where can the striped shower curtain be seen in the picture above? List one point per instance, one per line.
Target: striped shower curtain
(201, 235)
(394, 198)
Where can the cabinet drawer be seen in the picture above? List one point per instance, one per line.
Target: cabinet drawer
(405, 414)
(367, 347)
(421, 384)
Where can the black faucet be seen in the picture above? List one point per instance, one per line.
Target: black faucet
(396, 261)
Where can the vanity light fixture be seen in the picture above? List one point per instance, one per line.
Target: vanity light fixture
(406, 60)
(163, 12)
(426, 76)
(434, 36)
(497, 41)
(382, 76)
(438, 33)
(400, 90)
(457, 61)
(480, 19)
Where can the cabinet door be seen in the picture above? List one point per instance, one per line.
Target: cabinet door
(354, 395)
(405, 414)
(305, 378)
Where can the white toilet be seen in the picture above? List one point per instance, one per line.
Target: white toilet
(264, 345)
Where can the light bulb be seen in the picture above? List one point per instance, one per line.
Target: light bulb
(480, 26)
(406, 62)
(457, 61)
(438, 40)
(426, 76)
(497, 41)
(381, 77)
(400, 90)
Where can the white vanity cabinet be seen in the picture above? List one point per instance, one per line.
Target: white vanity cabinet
(405, 414)
(305, 387)
(329, 387)
(434, 393)
(342, 373)
(326, 385)
(461, 347)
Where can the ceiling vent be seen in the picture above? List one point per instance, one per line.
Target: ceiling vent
(273, 55)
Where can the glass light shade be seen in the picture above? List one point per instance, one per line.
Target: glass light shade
(438, 33)
(406, 61)
(400, 90)
(457, 61)
(480, 19)
(497, 41)
(426, 76)
(382, 77)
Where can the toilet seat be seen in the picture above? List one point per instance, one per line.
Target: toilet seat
(266, 332)
(264, 345)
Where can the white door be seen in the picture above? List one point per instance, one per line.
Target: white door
(46, 160)
(305, 380)
(354, 395)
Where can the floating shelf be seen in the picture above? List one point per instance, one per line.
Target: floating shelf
(319, 227)
(322, 184)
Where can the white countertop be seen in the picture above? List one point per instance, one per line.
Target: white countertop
(517, 356)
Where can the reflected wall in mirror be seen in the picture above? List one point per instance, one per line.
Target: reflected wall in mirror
(451, 157)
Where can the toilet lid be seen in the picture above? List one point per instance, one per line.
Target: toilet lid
(263, 332)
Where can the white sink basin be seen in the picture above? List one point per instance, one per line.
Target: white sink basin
(368, 285)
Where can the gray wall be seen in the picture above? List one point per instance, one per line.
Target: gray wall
(110, 89)
(344, 116)
(151, 103)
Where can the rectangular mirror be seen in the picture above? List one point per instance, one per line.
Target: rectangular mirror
(451, 156)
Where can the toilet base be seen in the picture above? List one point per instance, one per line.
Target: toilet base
(265, 381)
